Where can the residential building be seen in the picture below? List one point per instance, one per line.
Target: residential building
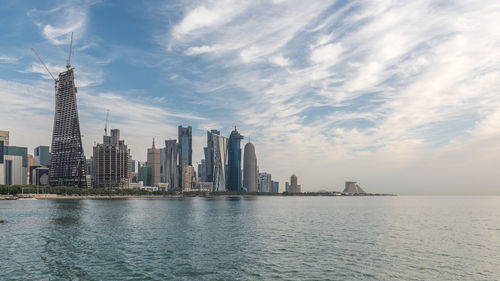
(294, 187)
(110, 166)
(188, 178)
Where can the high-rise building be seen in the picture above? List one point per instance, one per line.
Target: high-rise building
(162, 165)
(132, 165)
(154, 164)
(4, 136)
(234, 162)
(186, 146)
(188, 176)
(294, 187)
(209, 155)
(41, 154)
(171, 164)
(276, 187)
(287, 187)
(110, 166)
(145, 175)
(2, 151)
(219, 159)
(66, 158)
(265, 182)
(202, 170)
(250, 173)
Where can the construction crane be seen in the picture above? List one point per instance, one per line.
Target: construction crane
(68, 65)
(106, 124)
(44, 65)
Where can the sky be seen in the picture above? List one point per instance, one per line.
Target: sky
(401, 96)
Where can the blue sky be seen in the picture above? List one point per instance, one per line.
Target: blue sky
(401, 96)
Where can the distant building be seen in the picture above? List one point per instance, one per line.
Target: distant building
(12, 171)
(23, 153)
(287, 187)
(132, 165)
(250, 172)
(234, 161)
(162, 165)
(110, 166)
(219, 162)
(154, 163)
(4, 136)
(186, 146)
(265, 182)
(352, 187)
(40, 176)
(209, 155)
(204, 186)
(294, 187)
(202, 170)
(41, 154)
(276, 187)
(188, 176)
(171, 164)
(145, 175)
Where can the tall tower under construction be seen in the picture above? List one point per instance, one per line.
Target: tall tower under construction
(67, 162)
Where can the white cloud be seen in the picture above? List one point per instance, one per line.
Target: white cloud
(400, 74)
(279, 60)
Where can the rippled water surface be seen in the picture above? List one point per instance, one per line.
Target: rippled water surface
(256, 238)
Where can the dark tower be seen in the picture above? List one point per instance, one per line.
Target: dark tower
(234, 153)
(67, 162)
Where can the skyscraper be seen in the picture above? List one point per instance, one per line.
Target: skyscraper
(111, 163)
(187, 178)
(154, 164)
(171, 164)
(250, 168)
(209, 155)
(219, 160)
(186, 146)
(66, 158)
(294, 187)
(234, 154)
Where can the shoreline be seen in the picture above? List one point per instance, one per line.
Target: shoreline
(170, 196)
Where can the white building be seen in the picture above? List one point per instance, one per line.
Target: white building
(264, 182)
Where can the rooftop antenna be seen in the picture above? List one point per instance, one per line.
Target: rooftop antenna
(68, 65)
(44, 65)
(106, 124)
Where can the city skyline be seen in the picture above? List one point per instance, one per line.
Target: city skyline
(396, 97)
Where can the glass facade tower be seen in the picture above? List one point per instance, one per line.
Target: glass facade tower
(234, 153)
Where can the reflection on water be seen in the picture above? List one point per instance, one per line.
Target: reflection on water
(411, 238)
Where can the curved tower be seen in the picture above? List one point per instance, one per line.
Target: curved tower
(250, 168)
